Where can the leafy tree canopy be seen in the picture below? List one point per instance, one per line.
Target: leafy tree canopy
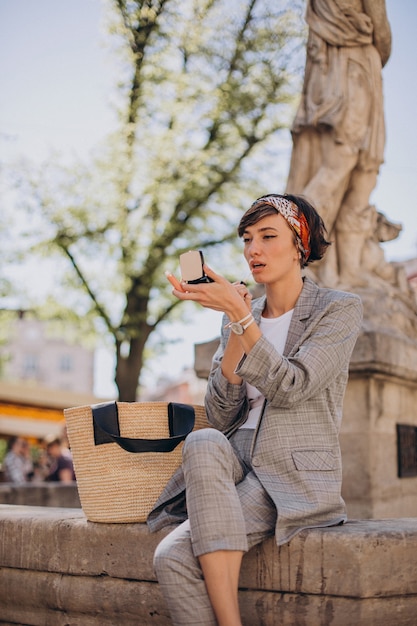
(206, 88)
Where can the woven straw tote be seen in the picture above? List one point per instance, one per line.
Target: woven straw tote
(115, 485)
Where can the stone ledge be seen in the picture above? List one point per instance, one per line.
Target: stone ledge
(58, 568)
(386, 353)
(41, 494)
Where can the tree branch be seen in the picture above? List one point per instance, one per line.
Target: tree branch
(100, 309)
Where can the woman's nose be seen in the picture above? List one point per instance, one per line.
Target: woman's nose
(253, 249)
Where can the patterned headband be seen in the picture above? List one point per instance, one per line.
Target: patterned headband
(295, 218)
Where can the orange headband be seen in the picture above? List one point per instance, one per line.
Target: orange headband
(295, 218)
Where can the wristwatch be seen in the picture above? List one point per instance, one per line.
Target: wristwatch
(238, 328)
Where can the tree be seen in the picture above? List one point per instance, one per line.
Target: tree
(207, 87)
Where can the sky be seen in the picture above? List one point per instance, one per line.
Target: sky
(57, 82)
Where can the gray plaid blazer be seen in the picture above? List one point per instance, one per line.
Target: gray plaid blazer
(295, 452)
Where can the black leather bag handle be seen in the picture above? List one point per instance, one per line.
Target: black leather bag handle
(181, 419)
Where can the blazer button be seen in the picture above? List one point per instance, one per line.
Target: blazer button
(256, 461)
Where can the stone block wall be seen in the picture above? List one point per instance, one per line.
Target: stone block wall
(58, 569)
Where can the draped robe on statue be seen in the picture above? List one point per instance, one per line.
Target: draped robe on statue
(339, 130)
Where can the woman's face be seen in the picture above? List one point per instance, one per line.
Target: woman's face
(270, 250)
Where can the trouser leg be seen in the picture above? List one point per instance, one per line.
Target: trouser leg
(222, 515)
(181, 580)
(210, 466)
(211, 471)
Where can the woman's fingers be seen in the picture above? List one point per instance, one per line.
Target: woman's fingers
(243, 291)
(218, 295)
(174, 281)
(212, 274)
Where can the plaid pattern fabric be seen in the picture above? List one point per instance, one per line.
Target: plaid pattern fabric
(304, 390)
(229, 510)
(295, 453)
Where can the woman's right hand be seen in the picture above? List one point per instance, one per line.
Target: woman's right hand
(218, 295)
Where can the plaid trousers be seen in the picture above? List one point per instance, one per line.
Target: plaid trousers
(228, 509)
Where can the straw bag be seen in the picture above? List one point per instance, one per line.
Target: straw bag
(124, 453)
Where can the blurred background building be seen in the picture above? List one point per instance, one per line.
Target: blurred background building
(41, 374)
(32, 354)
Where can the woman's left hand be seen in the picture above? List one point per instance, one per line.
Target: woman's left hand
(243, 291)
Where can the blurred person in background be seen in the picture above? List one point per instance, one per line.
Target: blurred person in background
(61, 468)
(27, 460)
(17, 466)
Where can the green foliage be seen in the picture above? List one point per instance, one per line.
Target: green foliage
(207, 89)
(3, 450)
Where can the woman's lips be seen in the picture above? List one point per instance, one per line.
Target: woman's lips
(257, 267)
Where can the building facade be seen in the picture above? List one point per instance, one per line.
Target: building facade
(33, 355)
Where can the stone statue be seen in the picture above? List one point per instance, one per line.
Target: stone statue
(338, 132)
(338, 145)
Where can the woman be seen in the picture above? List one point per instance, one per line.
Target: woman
(271, 464)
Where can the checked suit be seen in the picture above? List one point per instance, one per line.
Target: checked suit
(295, 451)
(243, 485)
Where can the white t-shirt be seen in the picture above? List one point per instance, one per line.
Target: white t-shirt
(276, 331)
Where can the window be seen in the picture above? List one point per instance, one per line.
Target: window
(65, 363)
(407, 450)
(30, 365)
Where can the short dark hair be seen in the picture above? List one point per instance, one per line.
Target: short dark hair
(13, 439)
(53, 441)
(318, 232)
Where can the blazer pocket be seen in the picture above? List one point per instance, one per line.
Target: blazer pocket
(310, 460)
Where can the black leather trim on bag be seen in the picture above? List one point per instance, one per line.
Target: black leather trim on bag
(181, 419)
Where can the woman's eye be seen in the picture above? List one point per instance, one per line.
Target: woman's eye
(269, 236)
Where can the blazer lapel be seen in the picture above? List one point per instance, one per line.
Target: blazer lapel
(257, 308)
(302, 312)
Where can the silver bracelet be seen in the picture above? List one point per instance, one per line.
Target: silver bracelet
(238, 329)
(240, 321)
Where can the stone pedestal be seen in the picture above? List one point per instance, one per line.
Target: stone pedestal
(381, 393)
